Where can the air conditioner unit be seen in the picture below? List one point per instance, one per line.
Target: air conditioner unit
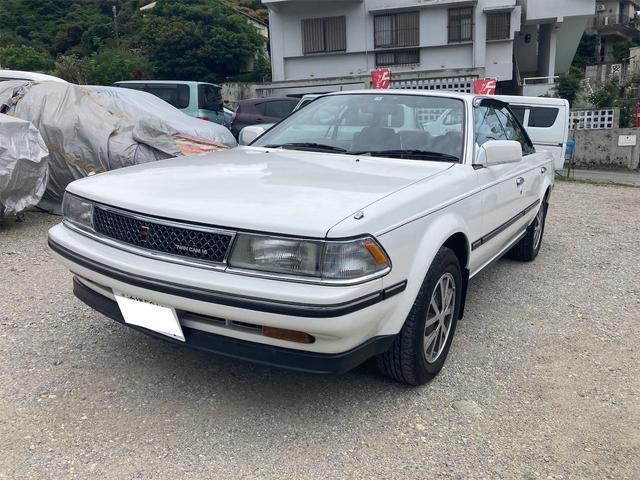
(600, 8)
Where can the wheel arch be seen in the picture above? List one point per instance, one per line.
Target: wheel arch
(459, 243)
(448, 230)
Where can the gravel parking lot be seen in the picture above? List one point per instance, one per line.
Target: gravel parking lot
(543, 379)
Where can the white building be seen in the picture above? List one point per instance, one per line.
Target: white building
(327, 45)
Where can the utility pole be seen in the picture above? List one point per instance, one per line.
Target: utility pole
(115, 25)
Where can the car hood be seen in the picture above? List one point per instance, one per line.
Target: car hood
(280, 191)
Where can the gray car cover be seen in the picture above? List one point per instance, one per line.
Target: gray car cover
(23, 165)
(89, 130)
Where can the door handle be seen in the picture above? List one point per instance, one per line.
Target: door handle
(519, 181)
(543, 170)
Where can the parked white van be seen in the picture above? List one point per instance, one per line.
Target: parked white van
(545, 120)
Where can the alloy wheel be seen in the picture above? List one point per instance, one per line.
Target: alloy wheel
(537, 228)
(439, 317)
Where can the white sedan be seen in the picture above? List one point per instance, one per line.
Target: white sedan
(347, 231)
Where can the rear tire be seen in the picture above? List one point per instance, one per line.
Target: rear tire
(528, 247)
(420, 349)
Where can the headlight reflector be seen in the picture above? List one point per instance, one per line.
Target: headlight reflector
(322, 260)
(77, 211)
(292, 257)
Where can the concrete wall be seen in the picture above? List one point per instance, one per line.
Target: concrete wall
(234, 92)
(599, 149)
(290, 63)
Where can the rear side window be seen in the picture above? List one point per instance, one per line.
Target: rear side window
(279, 108)
(261, 108)
(542, 117)
(209, 98)
(176, 95)
(518, 111)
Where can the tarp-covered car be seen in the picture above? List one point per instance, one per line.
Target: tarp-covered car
(23, 165)
(90, 129)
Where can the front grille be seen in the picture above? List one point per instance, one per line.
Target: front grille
(209, 246)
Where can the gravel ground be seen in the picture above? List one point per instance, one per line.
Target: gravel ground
(542, 380)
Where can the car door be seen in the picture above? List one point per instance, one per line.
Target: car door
(532, 161)
(503, 190)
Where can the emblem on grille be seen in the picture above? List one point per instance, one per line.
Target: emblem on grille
(143, 233)
(197, 251)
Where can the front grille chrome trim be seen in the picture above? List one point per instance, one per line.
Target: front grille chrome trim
(155, 254)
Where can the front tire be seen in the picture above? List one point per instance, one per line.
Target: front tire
(420, 349)
(528, 247)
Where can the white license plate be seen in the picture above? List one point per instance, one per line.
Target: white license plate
(146, 314)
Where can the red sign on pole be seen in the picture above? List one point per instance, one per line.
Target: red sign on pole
(381, 78)
(484, 86)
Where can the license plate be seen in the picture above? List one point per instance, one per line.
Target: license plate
(146, 314)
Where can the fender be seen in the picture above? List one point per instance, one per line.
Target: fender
(433, 232)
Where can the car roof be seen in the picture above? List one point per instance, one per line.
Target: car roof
(459, 95)
(21, 75)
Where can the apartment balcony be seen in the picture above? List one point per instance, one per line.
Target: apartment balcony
(620, 26)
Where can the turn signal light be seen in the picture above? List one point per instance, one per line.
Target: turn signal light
(289, 335)
(376, 252)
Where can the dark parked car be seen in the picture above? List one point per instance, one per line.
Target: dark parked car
(261, 110)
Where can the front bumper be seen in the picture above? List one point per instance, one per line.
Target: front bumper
(341, 319)
(298, 360)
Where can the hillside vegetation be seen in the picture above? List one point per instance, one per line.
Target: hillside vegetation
(204, 40)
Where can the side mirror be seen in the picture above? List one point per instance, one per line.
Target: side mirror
(249, 134)
(499, 152)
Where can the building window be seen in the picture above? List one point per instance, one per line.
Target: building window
(499, 26)
(324, 35)
(396, 30)
(460, 24)
(398, 57)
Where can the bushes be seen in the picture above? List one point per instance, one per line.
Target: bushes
(24, 57)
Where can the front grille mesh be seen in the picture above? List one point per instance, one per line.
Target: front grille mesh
(183, 242)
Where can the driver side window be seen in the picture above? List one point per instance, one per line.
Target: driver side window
(514, 131)
(487, 125)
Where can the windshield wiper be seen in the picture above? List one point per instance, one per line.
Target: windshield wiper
(311, 146)
(410, 154)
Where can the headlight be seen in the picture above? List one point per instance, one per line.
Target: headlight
(322, 260)
(77, 211)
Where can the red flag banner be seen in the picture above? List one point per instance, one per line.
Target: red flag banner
(381, 78)
(484, 86)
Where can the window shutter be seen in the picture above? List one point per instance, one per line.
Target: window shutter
(408, 28)
(336, 34)
(313, 35)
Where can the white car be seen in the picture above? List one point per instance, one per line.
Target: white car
(346, 231)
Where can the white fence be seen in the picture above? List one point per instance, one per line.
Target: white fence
(456, 84)
(594, 119)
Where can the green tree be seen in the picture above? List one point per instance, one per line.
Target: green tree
(24, 57)
(72, 68)
(607, 95)
(198, 40)
(614, 94)
(112, 65)
(569, 85)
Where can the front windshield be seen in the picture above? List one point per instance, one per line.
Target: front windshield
(399, 126)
